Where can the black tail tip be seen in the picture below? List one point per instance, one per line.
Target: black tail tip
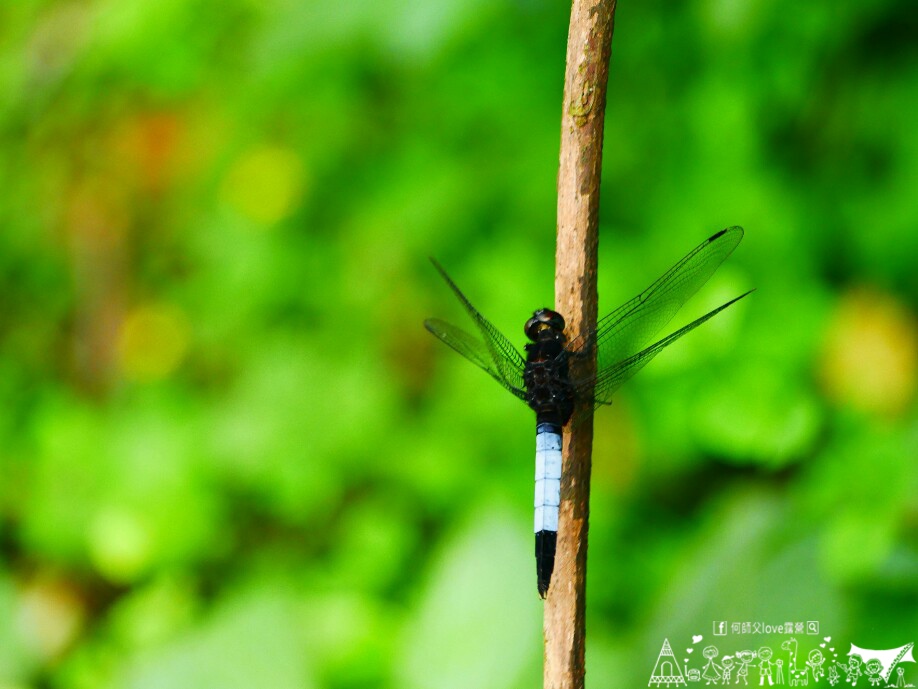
(545, 544)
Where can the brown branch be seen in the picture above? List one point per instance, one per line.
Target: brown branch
(588, 48)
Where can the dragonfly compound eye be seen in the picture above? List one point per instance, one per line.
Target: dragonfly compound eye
(544, 319)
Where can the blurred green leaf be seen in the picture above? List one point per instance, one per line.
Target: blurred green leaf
(252, 639)
(477, 624)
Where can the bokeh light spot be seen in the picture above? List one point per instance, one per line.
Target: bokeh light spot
(152, 342)
(729, 17)
(855, 544)
(51, 613)
(265, 184)
(119, 545)
(869, 359)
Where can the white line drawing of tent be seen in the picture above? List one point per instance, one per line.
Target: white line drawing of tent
(889, 657)
(667, 670)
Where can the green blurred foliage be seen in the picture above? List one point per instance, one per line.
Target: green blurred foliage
(231, 456)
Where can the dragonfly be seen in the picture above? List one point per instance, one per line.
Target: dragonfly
(622, 343)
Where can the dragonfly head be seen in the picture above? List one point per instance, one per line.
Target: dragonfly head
(545, 324)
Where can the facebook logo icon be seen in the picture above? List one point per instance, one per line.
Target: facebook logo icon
(720, 628)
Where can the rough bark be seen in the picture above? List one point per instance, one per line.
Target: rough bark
(586, 76)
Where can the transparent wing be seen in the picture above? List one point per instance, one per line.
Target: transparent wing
(472, 349)
(494, 353)
(622, 334)
(611, 378)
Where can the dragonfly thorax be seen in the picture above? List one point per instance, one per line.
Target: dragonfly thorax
(546, 373)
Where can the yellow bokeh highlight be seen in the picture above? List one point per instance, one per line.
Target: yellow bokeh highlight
(265, 184)
(119, 545)
(870, 359)
(152, 342)
(50, 615)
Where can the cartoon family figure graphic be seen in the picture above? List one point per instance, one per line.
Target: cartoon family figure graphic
(712, 671)
(873, 668)
(765, 666)
(853, 669)
(876, 668)
(814, 662)
(717, 673)
(727, 666)
(745, 659)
